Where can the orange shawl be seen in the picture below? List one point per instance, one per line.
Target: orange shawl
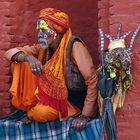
(52, 88)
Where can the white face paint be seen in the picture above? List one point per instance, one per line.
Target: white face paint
(45, 34)
(42, 40)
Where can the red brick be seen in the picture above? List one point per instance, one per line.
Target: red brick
(103, 12)
(4, 87)
(4, 12)
(102, 4)
(5, 71)
(5, 95)
(103, 23)
(5, 29)
(124, 2)
(123, 10)
(127, 19)
(5, 78)
(7, 1)
(5, 5)
(6, 111)
(4, 21)
(5, 38)
(5, 103)
(5, 46)
(5, 63)
(83, 23)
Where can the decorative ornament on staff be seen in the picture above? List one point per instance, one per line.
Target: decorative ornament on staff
(114, 75)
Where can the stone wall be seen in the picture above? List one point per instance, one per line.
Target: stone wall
(18, 23)
(18, 20)
(5, 42)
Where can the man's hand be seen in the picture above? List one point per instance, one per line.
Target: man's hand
(35, 65)
(80, 122)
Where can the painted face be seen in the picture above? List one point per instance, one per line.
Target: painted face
(45, 33)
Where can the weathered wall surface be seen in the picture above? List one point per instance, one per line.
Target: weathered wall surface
(4, 45)
(127, 13)
(18, 27)
(18, 23)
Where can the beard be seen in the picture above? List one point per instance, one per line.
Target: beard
(43, 43)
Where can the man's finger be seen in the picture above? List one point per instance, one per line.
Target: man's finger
(39, 71)
(73, 124)
(79, 126)
(32, 66)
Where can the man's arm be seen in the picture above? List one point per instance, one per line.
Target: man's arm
(26, 54)
(83, 60)
(32, 50)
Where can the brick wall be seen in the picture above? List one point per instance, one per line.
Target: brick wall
(5, 37)
(18, 23)
(18, 20)
(12, 33)
(127, 13)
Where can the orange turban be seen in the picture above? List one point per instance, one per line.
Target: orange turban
(56, 19)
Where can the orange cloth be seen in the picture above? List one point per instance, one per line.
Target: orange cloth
(56, 19)
(51, 85)
(42, 113)
(23, 86)
(81, 58)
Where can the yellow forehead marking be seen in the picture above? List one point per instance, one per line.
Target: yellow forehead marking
(42, 24)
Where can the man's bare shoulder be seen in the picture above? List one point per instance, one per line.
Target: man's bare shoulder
(78, 44)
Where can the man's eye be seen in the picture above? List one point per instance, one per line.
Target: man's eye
(45, 36)
(39, 30)
(43, 30)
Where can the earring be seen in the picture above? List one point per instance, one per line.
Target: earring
(55, 36)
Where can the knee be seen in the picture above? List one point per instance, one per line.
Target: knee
(42, 113)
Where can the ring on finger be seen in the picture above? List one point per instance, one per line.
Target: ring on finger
(35, 69)
(81, 123)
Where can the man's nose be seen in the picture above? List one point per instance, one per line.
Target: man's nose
(40, 35)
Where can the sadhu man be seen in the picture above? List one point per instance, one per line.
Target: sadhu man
(54, 79)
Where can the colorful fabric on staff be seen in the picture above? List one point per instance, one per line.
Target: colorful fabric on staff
(13, 129)
(51, 84)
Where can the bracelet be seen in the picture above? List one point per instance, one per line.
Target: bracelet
(16, 58)
(26, 57)
(82, 116)
(22, 55)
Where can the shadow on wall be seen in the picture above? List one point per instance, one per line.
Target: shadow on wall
(83, 21)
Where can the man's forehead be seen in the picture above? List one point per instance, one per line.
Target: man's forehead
(42, 24)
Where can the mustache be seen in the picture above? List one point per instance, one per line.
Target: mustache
(43, 42)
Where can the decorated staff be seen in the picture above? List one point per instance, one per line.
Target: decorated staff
(114, 76)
